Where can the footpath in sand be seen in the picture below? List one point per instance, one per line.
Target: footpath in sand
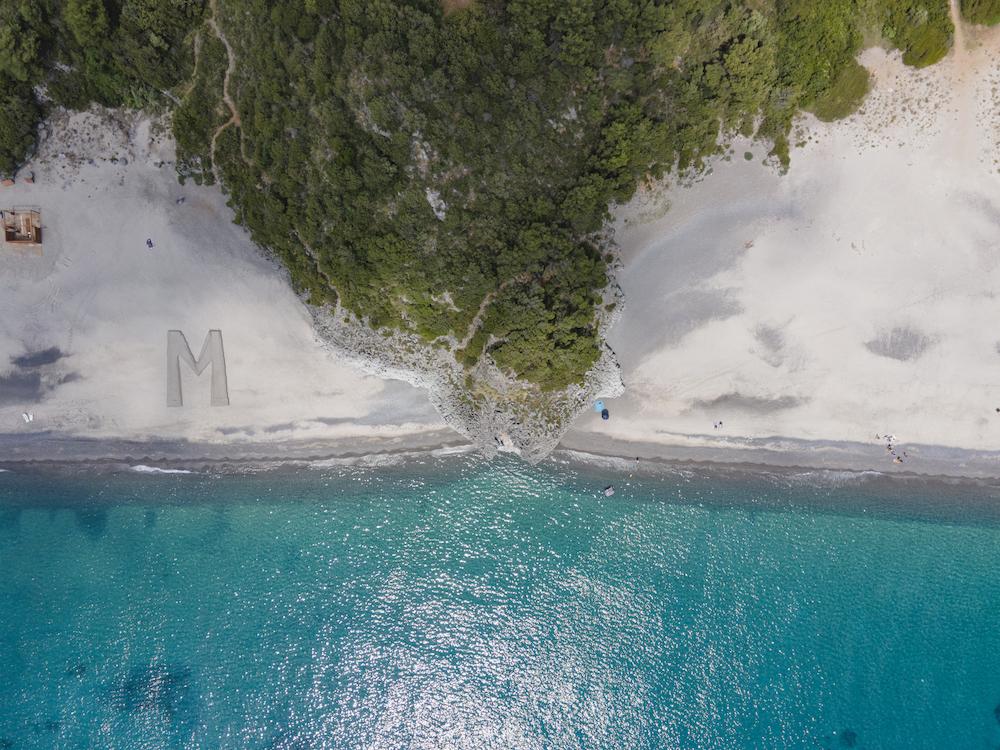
(855, 296)
(83, 327)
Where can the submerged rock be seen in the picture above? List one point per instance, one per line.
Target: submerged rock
(92, 521)
(293, 742)
(158, 689)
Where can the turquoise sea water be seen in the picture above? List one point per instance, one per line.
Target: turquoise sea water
(453, 603)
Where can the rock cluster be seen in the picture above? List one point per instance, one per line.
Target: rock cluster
(494, 410)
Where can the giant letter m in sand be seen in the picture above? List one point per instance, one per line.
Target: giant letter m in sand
(211, 354)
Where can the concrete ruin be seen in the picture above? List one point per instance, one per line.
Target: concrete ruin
(22, 227)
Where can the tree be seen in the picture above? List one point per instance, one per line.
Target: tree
(20, 41)
(982, 11)
(87, 20)
(19, 115)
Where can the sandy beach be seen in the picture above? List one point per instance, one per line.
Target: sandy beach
(83, 326)
(792, 319)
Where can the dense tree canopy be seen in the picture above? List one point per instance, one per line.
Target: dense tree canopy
(17, 123)
(981, 11)
(446, 168)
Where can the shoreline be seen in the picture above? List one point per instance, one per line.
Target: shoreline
(810, 310)
(703, 482)
(63, 450)
(783, 453)
(870, 333)
(85, 324)
(57, 453)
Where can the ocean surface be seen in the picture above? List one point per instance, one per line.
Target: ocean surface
(454, 603)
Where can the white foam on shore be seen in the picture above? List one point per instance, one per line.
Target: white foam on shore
(143, 469)
(453, 450)
(622, 464)
(831, 477)
(618, 463)
(377, 460)
(684, 468)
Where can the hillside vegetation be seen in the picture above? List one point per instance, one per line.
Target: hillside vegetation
(981, 11)
(446, 169)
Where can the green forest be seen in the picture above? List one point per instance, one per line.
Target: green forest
(446, 168)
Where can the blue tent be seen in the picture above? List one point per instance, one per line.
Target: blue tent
(598, 406)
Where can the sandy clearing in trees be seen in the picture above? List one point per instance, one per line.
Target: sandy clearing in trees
(101, 303)
(857, 295)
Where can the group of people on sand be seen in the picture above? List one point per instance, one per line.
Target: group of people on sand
(717, 425)
(894, 451)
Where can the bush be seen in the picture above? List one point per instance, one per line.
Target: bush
(922, 29)
(20, 116)
(985, 12)
(926, 46)
(200, 112)
(412, 163)
(845, 94)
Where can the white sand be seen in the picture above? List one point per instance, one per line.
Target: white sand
(106, 301)
(856, 295)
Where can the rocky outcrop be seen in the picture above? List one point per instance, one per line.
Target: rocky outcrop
(494, 410)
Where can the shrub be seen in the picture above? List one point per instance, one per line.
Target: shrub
(17, 123)
(985, 12)
(845, 94)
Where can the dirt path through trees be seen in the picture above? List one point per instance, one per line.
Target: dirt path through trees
(956, 20)
(477, 321)
(964, 89)
(234, 117)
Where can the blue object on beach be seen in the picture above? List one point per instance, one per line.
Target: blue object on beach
(605, 414)
(598, 406)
